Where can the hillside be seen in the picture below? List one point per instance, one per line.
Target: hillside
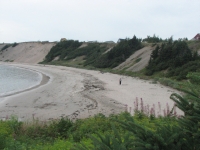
(92, 55)
(82, 54)
(27, 52)
(2, 45)
(137, 61)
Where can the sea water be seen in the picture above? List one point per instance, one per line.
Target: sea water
(15, 79)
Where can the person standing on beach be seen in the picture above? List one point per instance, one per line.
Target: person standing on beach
(120, 81)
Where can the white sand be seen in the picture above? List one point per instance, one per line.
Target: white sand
(79, 93)
(27, 52)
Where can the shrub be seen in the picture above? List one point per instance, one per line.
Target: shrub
(174, 56)
(62, 49)
(14, 44)
(137, 60)
(5, 134)
(119, 53)
(194, 77)
(82, 128)
(6, 46)
(153, 39)
(63, 126)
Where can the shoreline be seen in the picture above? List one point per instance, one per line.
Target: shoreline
(45, 79)
(79, 93)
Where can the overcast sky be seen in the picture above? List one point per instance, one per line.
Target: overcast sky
(101, 20)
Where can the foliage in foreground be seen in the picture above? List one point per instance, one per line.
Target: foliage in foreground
(64, 134)
(116, 132)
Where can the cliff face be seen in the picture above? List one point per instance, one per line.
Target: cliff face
(27, 52)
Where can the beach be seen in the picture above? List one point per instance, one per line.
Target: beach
(79, 93)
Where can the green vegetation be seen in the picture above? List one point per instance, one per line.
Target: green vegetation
(93, 54)
(14, 44)
(69, 51)
(137, 60)
(7, 60)
(90, 53)
(153, 39)
(62, 49)
(8, 45)
(65, 134)
(175, 57)
(194, 77)
(119, 53)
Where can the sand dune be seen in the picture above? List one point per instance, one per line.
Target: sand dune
(131, 65)
(27, 52)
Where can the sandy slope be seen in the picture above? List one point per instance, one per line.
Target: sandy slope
(130, 63)
(78, 93)
(29, 52)
(2, 45)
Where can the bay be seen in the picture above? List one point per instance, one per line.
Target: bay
(15, 79)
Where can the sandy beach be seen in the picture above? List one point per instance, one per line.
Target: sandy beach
(79, 93)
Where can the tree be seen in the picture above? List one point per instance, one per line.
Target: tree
(170, 55)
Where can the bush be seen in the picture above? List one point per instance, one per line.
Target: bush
(180, 73)
(153, 39)
(174, 56)
(62, 49)
(15, 44)
(5, 134)
(63, 127)
(82, 128)
(119, 53)
(137, 60)
(6, 46)
(194, 77)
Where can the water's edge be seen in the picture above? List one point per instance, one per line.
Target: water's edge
(44, 80)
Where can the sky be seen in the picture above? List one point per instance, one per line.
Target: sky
(97, 20)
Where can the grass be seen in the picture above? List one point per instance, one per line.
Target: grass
(7, 60)
(78, 61)
(64, 134)
(137, 60)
